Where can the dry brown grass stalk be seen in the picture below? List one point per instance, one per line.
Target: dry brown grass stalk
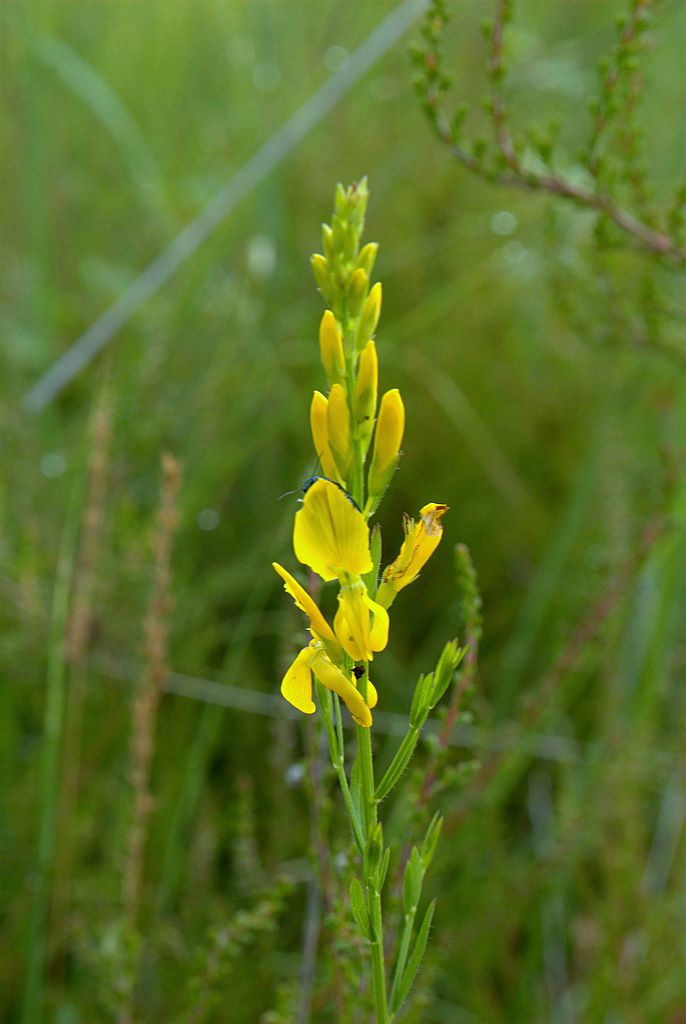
(144, 720)
(146, 701)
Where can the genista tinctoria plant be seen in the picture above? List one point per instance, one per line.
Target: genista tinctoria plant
(357, 441)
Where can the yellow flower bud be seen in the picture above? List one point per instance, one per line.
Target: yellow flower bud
(367, 257)
(387, 440)
(364, 399)
(340, 203)
(331, 348)
(320, 434)
(338, 425)
(320, 269)
(327, 241)
(357, 291)
(369, 319)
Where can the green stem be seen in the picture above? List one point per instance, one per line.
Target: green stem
(339, 725)
(337, 755)
(377, 954)
(366, 764)
(364, 753)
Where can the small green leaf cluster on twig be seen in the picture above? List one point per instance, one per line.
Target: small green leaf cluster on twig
(610, 176)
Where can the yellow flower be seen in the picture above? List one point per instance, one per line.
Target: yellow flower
(333, 678)
(320, 434)
(387, 440)
(361, 624)
(322, 657)
(421, 540)
(330, 533)
(296, 686)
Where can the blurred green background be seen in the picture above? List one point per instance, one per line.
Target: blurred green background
(537, 409)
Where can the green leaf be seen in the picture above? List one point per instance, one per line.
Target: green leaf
(431, 838)
(420, 700)
(383, 869)
(412, 881)
(358, 905)
(398, 764)
(375, 851)
(449, 660)
(415, 959)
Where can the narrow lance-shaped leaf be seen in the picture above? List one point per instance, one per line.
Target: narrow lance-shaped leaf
(358, 906)
(448, 662)
(398, 998)
(383, 869)
(431, 838)
(398, 765)
(412, 881)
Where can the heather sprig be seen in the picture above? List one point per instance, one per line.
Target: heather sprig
(610, 175)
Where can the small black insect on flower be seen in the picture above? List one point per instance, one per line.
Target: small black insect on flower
(313, 479)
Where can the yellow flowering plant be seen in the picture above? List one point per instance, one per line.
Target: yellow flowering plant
(357, 442)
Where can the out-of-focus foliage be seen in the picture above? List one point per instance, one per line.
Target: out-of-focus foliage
(543, 409)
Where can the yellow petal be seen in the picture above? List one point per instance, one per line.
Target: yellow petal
(380, 624)
(320, 434)
(352, 633)
(318, 624)
(333, 678)
(372, 695)
(296, 686)
(330, 533)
